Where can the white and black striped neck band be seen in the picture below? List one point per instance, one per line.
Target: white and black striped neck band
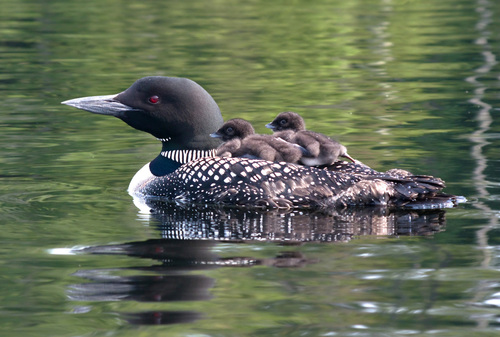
(184, 156)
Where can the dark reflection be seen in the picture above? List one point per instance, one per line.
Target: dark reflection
(161, 317)
(148, 288)
(17, 44)
(295, 226)
(174, 254)
(167, 281)
(178, 256)
(189, 236)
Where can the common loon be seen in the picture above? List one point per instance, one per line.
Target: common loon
(322, 150)
(182, 115)
(240, 140)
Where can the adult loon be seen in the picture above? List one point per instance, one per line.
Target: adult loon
(182, 115)
(240, 140)
(322, 150)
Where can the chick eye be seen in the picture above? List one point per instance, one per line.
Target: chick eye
(154, 99)
(282, 121)
(229, 130)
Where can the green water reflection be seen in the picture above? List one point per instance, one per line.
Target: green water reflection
(410, 84)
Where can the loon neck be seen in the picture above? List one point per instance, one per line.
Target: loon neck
(170, 159)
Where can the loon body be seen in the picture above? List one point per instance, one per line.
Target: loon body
(182, 115)
(321, 149)
(240, 140)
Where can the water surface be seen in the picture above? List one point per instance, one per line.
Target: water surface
(412, 85)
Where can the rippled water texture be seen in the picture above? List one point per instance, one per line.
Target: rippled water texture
(407, 84)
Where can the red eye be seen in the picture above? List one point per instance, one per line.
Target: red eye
(154, 99)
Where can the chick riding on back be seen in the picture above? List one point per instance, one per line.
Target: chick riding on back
(240, 140)
(320, 149)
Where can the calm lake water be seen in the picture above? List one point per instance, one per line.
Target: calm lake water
(408, 84)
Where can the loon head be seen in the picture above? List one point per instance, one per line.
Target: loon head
(175, 110)
(287, 120)
(234, 128)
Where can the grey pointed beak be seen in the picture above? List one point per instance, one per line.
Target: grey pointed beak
(215, 135)
(270, 126)
(102, 105)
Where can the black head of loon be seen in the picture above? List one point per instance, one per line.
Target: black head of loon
(177, 111)
(182, 115)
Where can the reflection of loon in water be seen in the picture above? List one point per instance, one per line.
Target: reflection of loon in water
(293, 226)
(169, 281)
(189, 237)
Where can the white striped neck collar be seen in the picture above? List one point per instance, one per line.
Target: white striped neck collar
(185, 156)
(164, 140)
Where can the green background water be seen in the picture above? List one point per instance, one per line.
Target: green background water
(408, 84)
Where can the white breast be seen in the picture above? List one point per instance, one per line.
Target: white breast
(142, 176)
